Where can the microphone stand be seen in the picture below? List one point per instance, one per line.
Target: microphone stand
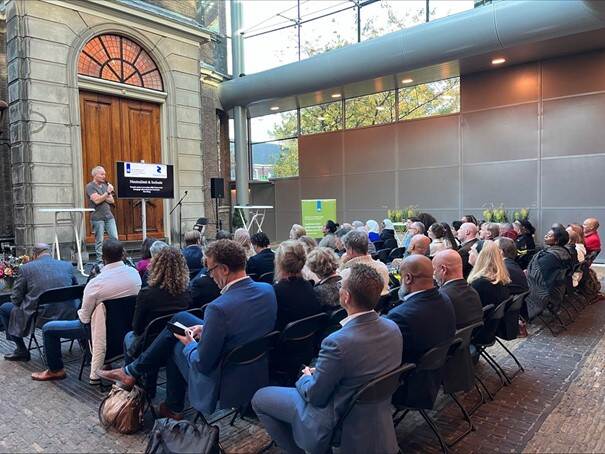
(180, 206)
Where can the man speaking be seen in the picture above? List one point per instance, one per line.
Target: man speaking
(100, 197)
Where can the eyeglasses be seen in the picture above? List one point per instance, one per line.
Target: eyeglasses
(210, 270)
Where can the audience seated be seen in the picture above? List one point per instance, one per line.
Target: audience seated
(309, 244)
(356, 245)
(295, 296)
(167, 293)
(412, 228)
(339, 234)
(518, 280)
(297, 231)
(262, 262)
(203, 289)
(245, 311)
(388, 230)
(441, 238)
(302, 419)
(467, 235)
(373, 230)
(33, 279)
(193, 250)
(489, 231)
(547, 273)
(323, 262)
(469, 218)
(143, 264)
(224, 235)
(488, 276)
(426, 220)
(419, 245)
(116, 280)
(592, 241)
(525, 243)
(576, 240)
(155, 247)
(329, 240)
(242, 236)
(508, 231)
(426, 318)
(447, 272)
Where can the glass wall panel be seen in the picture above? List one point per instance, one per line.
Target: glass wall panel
(321, 118)
(282, 125)
(277, 159)
(271, 49)
(265, 15)
(370, 110)
(330, 32)
(443, 8)
(386, 16)
(435, 98)
(312, 9)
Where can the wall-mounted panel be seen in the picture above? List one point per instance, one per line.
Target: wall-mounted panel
(573, 126)
(287, 194)
(573, 74)
(365, 215)
(369, 149)
(429, 188)
(501, 134)
(511, 184)
(567, 182)
(500, 87)
(370, 191)
(284, 222)
(264, 194)
(428, 142)
(320, 154)
(322, 188)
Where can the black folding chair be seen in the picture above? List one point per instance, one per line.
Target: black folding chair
(379, 244)
(378, 390)
(509, 327)
(388, 301)
(59, 295)
(391, 243)
(432, 360)
(194, 272)
(267, 277)
(118, 321)
(383, 255)
(253, 276)
(333, 324)
(396, 253)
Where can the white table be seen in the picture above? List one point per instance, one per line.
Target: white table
(258, 215)
(77, 226)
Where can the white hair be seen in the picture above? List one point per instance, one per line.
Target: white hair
(95, 170)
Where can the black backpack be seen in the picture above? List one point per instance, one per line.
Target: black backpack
(183, 437)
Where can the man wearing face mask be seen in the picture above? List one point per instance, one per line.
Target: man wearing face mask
(426, 318)
(245, 310)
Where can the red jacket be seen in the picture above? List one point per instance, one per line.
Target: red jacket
(592, 242)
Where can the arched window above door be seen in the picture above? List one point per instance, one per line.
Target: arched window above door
(119, 59)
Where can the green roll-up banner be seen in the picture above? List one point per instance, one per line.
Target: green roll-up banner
(315, 214)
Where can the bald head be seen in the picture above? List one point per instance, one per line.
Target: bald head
(416, 273)
(590, 225)
(447, 266)
(466, 232)
(419, 245)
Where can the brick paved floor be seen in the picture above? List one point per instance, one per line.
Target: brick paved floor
(555, 406)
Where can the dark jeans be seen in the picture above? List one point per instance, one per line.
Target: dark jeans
(166, 350)
(53, 332)
(5, 314)
(130, 354)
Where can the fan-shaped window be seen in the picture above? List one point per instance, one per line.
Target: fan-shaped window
(116, 58)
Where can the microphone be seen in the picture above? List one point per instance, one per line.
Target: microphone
(186, 192)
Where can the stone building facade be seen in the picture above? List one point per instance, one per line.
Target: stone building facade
(44, 41)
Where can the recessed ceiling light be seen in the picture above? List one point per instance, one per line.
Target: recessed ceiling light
(274, 108)
(380, 107)
(498, 61)
(407, 81)
(336, 95)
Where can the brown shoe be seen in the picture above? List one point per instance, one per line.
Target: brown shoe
(49, 375)
(121, 378)
(165, 412)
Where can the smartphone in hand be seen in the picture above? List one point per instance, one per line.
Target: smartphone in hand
(176, 328)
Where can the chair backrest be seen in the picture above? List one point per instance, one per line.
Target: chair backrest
(119, 314)
(378, 244)
(304, 329)
(252, 351)
(194, 272)
(61, 294)
(516, 302)
(154, 328)
(338, 315)
(491, 321)
(466, 334)
(383, 255)
(592, 256)
(267, 277)
(253, 276)
(435, 358)
(396, 253)
(391, 243)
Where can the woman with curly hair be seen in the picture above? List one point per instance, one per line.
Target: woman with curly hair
(167, 293)
(323, 262)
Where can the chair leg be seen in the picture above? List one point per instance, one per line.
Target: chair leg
(553, 332)
(467, 418)
(489, 394)
(481, 399)
(83, 364)
(499, 367)
(237, 412)
(435, 430)
(398, 420)
(495, 367)
(521, 369)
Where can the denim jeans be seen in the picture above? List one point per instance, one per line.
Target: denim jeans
(99, 228)
(151, 377)
(5, 314)
(53, 332)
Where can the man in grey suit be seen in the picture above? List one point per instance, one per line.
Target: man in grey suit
(303, 418)
(33, 279)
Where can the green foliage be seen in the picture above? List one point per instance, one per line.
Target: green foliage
(236, 220)
(286, 164)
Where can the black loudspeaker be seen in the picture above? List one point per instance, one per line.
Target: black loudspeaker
(217, 188)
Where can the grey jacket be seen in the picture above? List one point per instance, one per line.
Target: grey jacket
(35, 278)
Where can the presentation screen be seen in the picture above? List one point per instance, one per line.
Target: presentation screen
(315, 214)
(137, 180)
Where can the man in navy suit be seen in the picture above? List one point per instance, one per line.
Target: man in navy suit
(426, 318)
(244, 311)
(367, 346)
(263, 261)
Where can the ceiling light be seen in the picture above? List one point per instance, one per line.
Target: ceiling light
(407, 81)
(336, 95)
(274, 108)
(498, 61)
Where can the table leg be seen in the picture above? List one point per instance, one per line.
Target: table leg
(77, 231)
(56, 243)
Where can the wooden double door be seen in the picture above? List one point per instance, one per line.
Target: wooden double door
(119, 129)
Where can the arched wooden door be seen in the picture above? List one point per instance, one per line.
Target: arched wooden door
(119, 129)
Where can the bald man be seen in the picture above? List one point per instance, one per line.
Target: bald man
(592, 241)
(447, 272)
(419, 245)
(467, 235)
(426, 318)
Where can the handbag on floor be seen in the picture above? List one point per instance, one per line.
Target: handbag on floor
(123, 410)
(183, 437)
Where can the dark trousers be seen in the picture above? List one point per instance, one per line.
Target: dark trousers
(5, 315)
(166, 350)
